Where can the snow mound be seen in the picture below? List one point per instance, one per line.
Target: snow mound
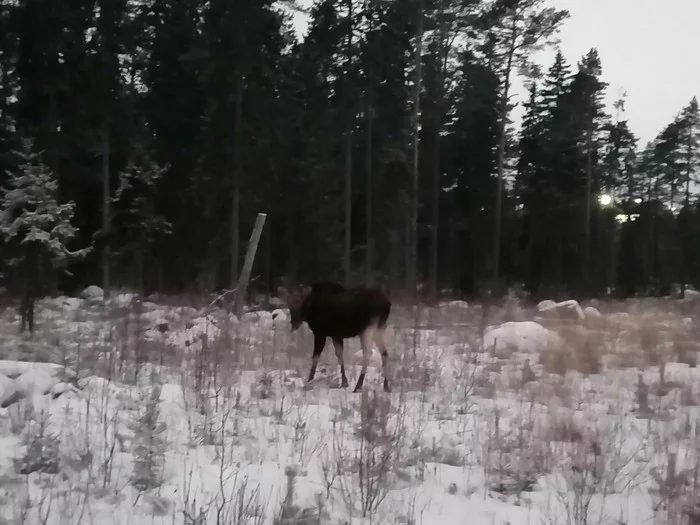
(591, 313)
(564, 310)
(92, 293)
(519, 336)
(280, 316)
(455, 304)
(19, 379)
(124, 300)
(545, 305)
(264, 319)
(61, 303)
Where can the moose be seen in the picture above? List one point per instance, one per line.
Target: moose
(331, 310)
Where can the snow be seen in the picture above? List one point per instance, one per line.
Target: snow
(135, 412)
(591, 312)
(569, 307)
(519, 336)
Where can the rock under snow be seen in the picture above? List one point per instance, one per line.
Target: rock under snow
(7, 389)
(123, 300)
(519, 336)
(691, 295)
(92, 293)
(262, 318)
(456, 304)
(279, 316)
(19, 379)
(564, 310)
(71, 303)
(36, 381)
(591, 312)
(545, 305)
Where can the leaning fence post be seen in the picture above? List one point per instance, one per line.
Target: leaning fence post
(248, 263)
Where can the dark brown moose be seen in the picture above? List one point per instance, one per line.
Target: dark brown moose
(331, 310)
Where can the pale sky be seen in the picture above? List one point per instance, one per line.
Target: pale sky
(647, 48)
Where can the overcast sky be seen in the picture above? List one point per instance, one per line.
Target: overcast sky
(647, 48)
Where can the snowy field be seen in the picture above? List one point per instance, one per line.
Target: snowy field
(133, 412)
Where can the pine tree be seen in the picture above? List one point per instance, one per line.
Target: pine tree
(137, 223)
(587, 91)
(522, 27)
(36, 226)
(149, 443)
(689, 165)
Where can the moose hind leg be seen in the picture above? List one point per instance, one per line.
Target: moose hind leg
(366, 343)
(319, 344)
(381, 344)
(338, 345)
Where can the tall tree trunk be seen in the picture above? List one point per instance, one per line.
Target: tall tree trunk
(106, 210)
(347, 258)
(439, 109)
(434, 238)
(236, 184)
(498, 210)
(685, 226)
(369, 194)
(347, 267)
(139, 266)
(589, 198)
(412, 270)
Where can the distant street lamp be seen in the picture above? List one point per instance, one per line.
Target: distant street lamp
(605, 200)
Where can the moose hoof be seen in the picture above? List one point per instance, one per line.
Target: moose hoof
(344, 384)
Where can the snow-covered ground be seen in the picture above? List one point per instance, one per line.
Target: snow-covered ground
(134, 412)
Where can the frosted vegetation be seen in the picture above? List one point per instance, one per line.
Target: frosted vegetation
(171, 410)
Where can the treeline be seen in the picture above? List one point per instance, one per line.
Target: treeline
(380, 146)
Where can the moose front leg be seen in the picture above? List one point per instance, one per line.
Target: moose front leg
(319, 344)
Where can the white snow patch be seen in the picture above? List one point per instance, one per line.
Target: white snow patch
(124, 299)
(36, 381)
(17, 368)
(217, 431)
(519, 336)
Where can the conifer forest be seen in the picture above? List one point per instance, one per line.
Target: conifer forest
(139, 139)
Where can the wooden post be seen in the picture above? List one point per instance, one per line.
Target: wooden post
(248, 263)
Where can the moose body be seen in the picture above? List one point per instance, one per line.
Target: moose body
(333, 311)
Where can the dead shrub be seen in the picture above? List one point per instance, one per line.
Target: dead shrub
(365, 472)
(562, 427)
(582, 350)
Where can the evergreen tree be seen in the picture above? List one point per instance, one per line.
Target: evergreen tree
(36, 226)
(520, 27)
